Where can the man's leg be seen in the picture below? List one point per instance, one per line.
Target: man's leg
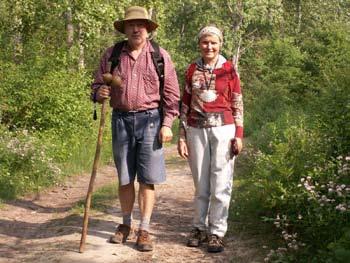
(124, 158)
(150, 171)
(127, 199)
(146, 204)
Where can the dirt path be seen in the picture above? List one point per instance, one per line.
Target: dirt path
(44, 229)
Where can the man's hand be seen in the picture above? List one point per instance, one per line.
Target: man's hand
(182, 148)
(165, 134)
(103, 92)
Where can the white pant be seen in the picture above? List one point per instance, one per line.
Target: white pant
(212, 171)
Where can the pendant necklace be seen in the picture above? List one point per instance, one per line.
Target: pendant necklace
(208, 95)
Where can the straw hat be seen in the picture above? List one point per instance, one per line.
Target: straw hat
(135, 13)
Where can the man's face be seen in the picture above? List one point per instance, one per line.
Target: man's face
(136, 32)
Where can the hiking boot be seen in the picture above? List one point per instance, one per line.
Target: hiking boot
(196, 238)
(144, 242)
(122, 233)
(215, 244)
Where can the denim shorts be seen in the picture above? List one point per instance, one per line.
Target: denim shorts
(136, 147)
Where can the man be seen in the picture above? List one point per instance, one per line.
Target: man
(142, 117)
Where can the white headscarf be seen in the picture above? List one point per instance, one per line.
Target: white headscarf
(210, 30)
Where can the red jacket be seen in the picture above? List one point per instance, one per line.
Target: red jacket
(224, 104)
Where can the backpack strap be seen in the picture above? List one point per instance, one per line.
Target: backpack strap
(158, 62)
(115, 56)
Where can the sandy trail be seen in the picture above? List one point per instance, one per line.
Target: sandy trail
(45, 229)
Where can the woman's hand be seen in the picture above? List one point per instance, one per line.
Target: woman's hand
(239, 144)
(236, 147)
(182, 148)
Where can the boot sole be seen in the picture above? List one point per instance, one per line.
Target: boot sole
(215, 250)
(144, 248)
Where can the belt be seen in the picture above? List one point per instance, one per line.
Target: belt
(135, 112)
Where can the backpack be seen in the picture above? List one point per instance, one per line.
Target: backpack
(157, 59)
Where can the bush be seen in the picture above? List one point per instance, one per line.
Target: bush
(25, 164)
(302, 190)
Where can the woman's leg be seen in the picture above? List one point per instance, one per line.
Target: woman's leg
(199, 160)
(221, 175)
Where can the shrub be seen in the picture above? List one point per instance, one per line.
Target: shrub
(25, 164)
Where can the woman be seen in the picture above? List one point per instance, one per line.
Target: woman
(211, 134)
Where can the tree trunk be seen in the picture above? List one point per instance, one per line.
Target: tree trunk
(70, 28)
(17, 37)
(81, 62)
(237, 16)
(299, 16)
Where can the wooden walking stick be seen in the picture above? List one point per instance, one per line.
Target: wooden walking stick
(113, 82)
(93, 176)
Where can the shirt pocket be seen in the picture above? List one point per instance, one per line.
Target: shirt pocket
(151, 84)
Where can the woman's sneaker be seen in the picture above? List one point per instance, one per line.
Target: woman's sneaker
(215, 244)
(196, 238)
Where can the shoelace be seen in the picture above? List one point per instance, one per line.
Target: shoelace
(143, 235)
(215, 240)
(195, 233)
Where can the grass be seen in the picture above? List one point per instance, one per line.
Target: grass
(82, 156)
(101, 200)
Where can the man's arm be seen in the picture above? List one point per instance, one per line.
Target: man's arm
(171, 96)
(98, 83)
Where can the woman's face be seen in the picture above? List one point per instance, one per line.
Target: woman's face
(209, 46)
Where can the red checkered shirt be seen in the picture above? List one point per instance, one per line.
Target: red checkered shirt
(140, 88)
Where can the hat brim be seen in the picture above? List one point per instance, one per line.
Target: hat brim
(119, 25)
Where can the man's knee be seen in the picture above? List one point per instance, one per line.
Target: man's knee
(126, 186)
(146, 186)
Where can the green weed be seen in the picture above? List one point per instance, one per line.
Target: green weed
(102, 199)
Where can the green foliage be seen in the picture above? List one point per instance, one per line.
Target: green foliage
(297, 104)
(25, 164)
(101, 199)
(276, 81)
(341, 248)
(40, 97)
(300, 188)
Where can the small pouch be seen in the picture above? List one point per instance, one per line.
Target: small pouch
(234, 148)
